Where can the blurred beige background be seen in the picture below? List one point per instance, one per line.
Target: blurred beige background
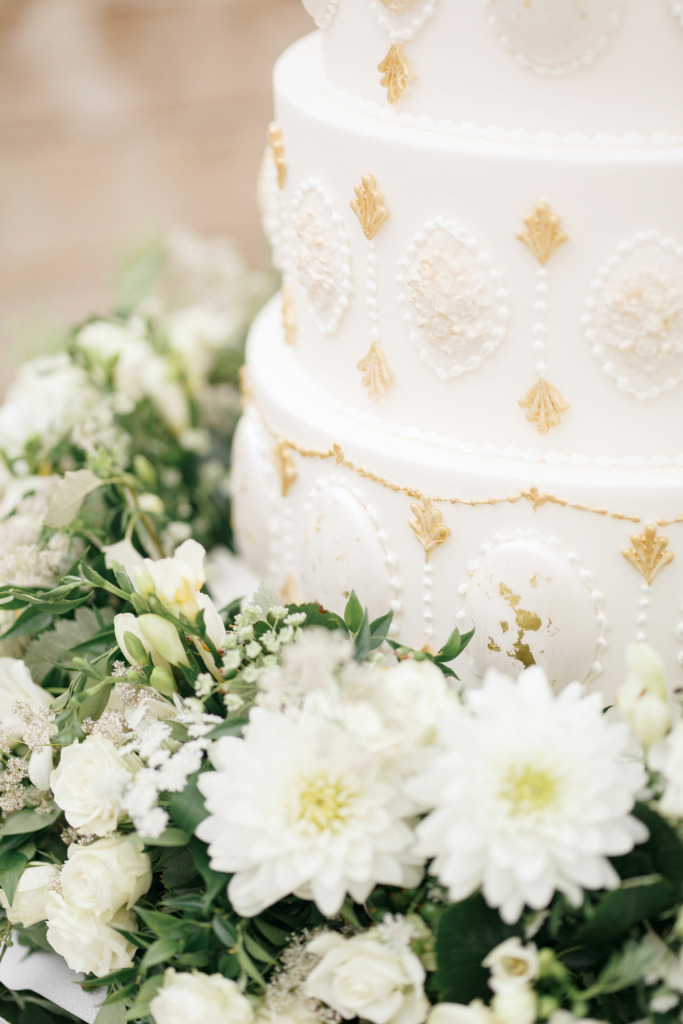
(119, 118)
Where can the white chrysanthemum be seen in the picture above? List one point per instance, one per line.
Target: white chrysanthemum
(297, 806)
(532, 798)
(666, 758)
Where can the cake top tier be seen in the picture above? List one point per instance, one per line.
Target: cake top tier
(590, 67)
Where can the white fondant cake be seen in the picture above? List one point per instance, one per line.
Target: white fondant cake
(470, 405)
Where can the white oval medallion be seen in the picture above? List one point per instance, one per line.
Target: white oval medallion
(402, 19)
(256, 511)
(323, 256)
(554, 37)
(270, 201)
(322, 11)
(634, 316)
(343, 548)
(533, 605)
(454, 299)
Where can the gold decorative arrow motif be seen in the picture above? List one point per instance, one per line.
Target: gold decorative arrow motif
(397, 72)
(277, 147)
(542, 234)
(377, 377)
(428, 526)
(648, 554)
(544, 404)
(369, 206)
(285, 465)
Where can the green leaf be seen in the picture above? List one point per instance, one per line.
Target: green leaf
(664, 845)
(68, 635)
(353, 613)
(224, 932)
(187, 808)
(161, 924)
(12, 865)
(372, 635)
(69, 496)
(135, 648)
(617, 912)
(160, 952)
(148, 990)
(112, 1013)
(171, 837)
(24, 822)
(215, 881)
(233, 727)
(624, 969)
(32, 621)
(466, 933)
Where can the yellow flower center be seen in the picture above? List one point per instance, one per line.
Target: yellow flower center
(528, 790)
(324, 802)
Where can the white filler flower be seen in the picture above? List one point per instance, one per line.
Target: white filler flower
(533, 797)
(296, 806)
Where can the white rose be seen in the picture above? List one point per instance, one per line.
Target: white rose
(364, 977)
(296, 1011)
(198, 998)
(459, 1013)
(86, 942)
(30, 900)
(107, 875)
(88, 784)
(512, 965)
(176, 581)
(17, 687)
(515, 1006)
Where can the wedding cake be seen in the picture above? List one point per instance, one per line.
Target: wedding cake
(467, 400)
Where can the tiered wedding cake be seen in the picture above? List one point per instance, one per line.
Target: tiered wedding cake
(467, 402)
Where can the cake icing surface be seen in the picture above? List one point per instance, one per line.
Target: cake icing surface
(466, 402)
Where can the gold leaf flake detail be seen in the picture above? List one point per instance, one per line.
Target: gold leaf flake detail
(428, 526)
(397, 72)
(648, 554)
(377, 377)
(544, 404)
(290, 592)
(369, 206)
(543, 234)
(285, 465)
(277, 147)
(288, 315)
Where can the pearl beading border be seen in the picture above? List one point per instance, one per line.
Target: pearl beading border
(540, 329)
(586, 577)
(345, 285)
(413, 26)
(598, 285)
(496, 282)
(572, 140)
(390, 562)
(614, 22)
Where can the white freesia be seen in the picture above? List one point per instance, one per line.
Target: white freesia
(515, 1006)
(86, 942)
(475, 1012)
(642, 699)
(367, 978)
(297, 807)
(196, 998)
(533, 796)
(88, 784)
(125, 554)
(512, 965)
(565, 1017)
(177, 581)
(30, 899)
(17, 687)
(106, 875)
(666, 758)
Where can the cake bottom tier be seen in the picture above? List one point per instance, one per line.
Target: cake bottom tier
(558, 565)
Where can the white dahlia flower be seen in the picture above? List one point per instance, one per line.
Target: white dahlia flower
(532, 798)
(297, 806)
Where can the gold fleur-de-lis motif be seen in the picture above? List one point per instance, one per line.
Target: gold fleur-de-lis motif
(543, 403)
(648, 554)
(285, 465)
(377, 377)
(397, 72)
(428, 526)
(369, 206)
(277, 147)
(288, 315)
(542, 234)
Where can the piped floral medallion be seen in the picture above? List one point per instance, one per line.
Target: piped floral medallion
(454, 299)
(634, 316)
(322, 255)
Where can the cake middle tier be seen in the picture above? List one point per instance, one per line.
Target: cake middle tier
(516, 299)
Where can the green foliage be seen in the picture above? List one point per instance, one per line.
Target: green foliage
(465, 934)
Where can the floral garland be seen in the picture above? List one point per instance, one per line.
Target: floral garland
(271, 813)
